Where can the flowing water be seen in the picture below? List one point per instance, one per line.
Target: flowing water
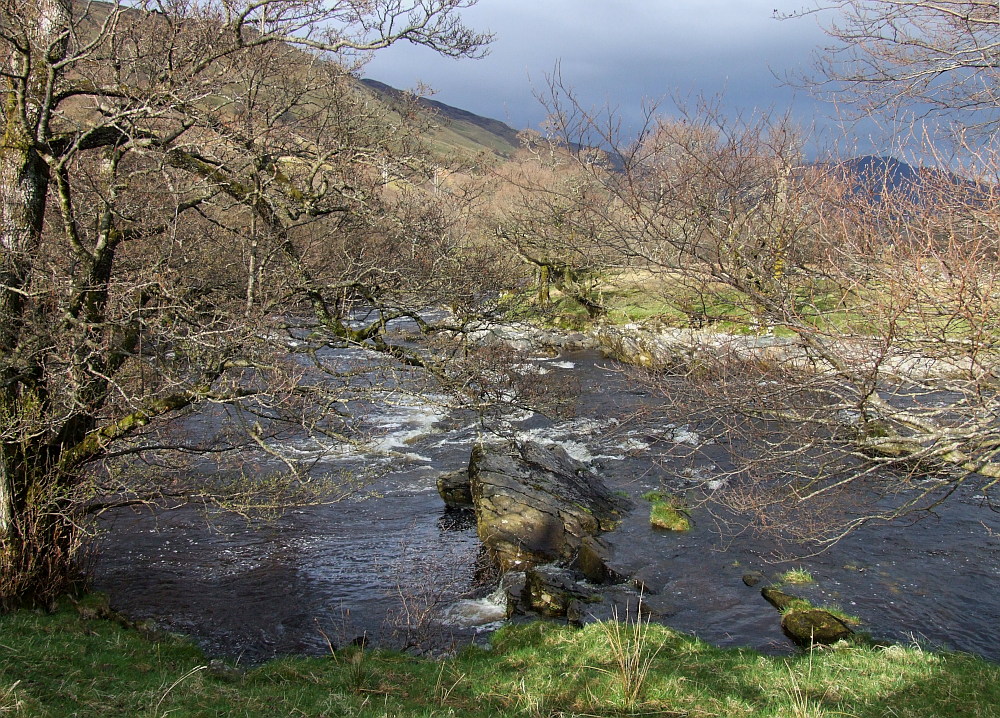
(394, 565)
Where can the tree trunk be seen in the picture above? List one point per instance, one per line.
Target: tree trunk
(24, 184)
(543, 285)
(6, 500)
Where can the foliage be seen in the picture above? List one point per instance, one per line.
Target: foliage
(796, 577)
(544, 209)
(65, 664)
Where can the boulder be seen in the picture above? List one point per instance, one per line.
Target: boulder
(455, 489)
(513, 584)
(804, 624)
(593, 561)
(814, 625)
(779, 599)
(555, 592)
(535, 504)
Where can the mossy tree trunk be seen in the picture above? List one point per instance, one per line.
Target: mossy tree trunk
(544, 298)
(27, 103)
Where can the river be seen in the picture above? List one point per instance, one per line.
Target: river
(393, 565)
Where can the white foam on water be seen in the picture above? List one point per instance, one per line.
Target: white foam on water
(563, 364)
(566, 435)
(699, 473)
(684, 435)
(411, 420)
(486, 612)
(632, 444)
(530, 369)
(585, 425)
(513, 416)
(315, 448)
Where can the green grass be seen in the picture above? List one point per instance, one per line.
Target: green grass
(797, 577)
(668, 299)
(666, 512)
(67, 665)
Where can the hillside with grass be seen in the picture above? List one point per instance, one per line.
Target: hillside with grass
(453, 131)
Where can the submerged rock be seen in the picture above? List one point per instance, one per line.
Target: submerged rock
(752, 578)
(535, 504)
(804, 624)
(558, 592)
(779, 599)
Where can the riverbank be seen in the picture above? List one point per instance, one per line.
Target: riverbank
(82, 661)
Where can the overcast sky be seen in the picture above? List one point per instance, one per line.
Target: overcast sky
(621, 52)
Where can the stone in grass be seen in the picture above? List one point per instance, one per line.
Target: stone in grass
(814, 625)
(665, 512)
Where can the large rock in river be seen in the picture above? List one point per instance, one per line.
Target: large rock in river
(455, 490)
(535, 504)
(804, 624)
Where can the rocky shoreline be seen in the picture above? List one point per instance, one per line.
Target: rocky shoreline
(540, 514)
(654, 345)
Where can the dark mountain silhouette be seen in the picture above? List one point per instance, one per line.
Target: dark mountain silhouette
(880, 178)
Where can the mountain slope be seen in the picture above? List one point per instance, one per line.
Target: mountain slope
(456, 131)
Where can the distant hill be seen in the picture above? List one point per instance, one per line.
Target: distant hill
(879, 177)
(458, 131)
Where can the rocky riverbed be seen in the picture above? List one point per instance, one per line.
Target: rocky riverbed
(395, 563)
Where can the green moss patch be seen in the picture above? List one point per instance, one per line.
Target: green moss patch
(667, 512)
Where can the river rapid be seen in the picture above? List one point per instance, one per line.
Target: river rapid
(392, 564)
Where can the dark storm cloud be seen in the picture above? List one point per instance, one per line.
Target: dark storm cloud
(619, 53)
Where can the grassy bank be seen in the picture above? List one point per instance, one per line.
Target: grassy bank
(69, 664)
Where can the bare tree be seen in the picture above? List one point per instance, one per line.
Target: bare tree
(929, 57)
(855, 369)
(545, 212)
(177, 182)
(882, 401)
(700, 201)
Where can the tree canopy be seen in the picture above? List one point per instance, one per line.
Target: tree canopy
(925, 57)
(178, 181)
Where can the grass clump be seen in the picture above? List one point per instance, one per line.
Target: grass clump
(73, 664)
(667, 512)
(796, 577)
(633, 653)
